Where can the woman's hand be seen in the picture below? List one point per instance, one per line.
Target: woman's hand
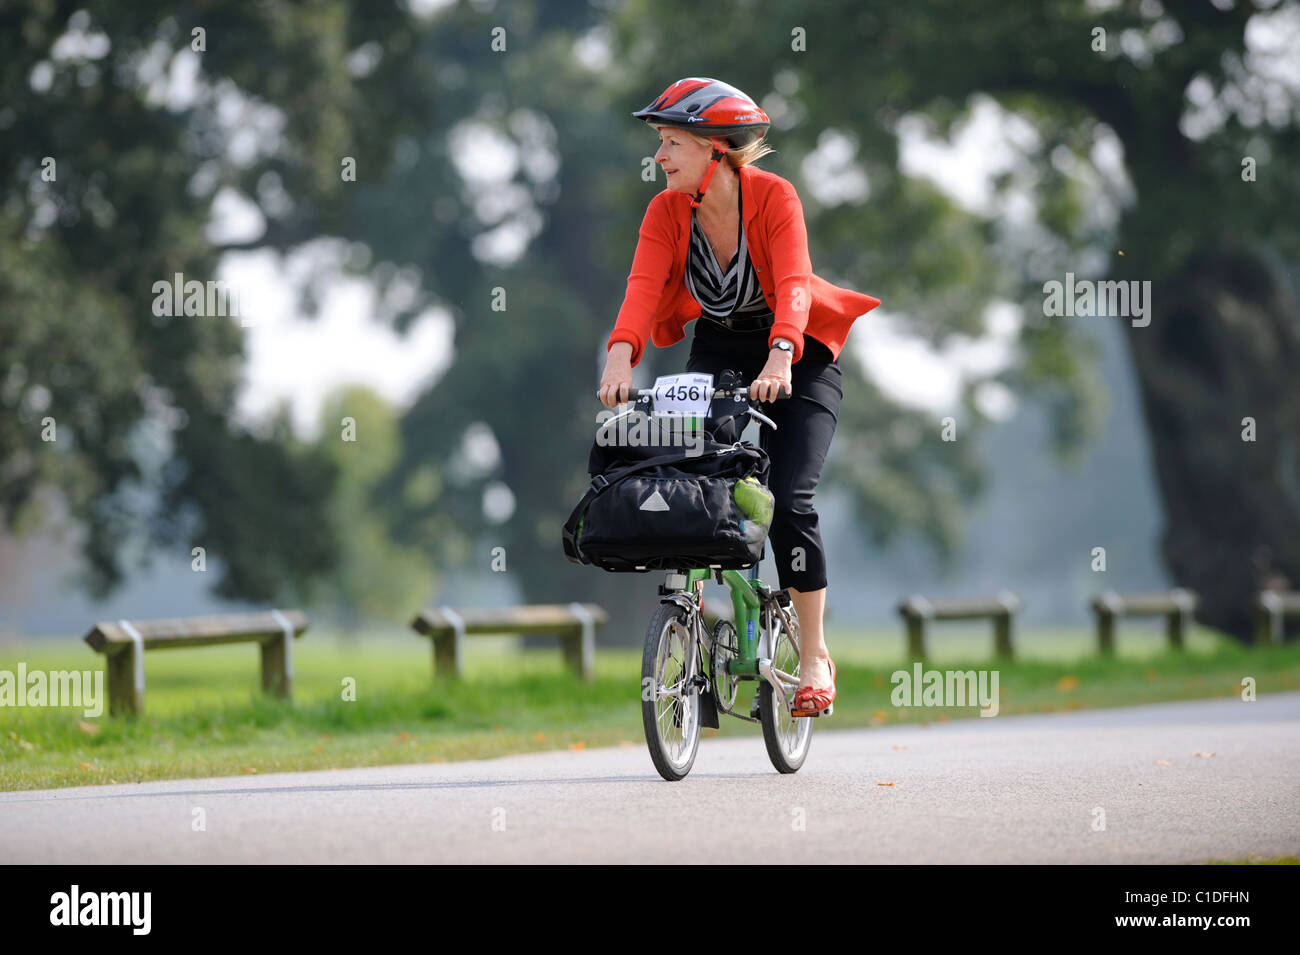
(617, 377)
(774, 379)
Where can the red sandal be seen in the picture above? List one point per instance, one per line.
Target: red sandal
(815, 701)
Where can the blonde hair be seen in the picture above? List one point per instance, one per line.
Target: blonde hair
(736, 157)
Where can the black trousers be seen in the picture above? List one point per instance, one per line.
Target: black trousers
(797, 449)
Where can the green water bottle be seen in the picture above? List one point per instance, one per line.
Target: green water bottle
(754, 500)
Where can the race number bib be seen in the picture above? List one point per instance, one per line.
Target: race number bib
(686, 394)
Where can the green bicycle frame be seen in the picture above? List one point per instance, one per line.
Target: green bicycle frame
(746, 607)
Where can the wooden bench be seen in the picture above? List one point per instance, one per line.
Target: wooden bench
(575, 623)
(1175, 606)
(124, 642)
(918, 612)
(1271, 608)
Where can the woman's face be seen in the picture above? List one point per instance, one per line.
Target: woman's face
(683, 158)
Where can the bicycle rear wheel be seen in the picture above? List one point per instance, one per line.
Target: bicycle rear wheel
(787, 737)
(670, 702)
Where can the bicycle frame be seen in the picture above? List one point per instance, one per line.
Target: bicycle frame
(753, 660)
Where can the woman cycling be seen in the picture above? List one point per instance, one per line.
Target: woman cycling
(727, 242)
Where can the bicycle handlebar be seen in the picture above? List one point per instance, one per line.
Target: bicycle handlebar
(740, 393)
(638, 394)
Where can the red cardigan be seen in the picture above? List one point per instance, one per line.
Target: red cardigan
(658, 305)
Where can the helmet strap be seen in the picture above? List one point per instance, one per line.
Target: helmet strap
(718, 156)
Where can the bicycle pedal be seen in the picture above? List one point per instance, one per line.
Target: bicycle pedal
(826, 712)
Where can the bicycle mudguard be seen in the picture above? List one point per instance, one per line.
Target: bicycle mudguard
(708, 709)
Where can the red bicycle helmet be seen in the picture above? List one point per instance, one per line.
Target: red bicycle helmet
(709, 108)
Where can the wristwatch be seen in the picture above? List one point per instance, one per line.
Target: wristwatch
(784, 345)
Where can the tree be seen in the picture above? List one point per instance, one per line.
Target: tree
(122, 124)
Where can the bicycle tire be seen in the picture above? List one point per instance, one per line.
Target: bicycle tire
(673, 762)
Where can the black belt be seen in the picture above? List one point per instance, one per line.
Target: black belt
(743, 323)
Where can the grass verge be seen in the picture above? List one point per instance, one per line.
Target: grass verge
(205, 717)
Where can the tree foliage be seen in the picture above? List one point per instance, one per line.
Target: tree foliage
(144, 113)
(498, 165)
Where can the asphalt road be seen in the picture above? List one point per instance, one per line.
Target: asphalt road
(1007, 789)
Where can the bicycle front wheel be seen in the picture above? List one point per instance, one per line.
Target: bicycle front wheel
(670, 702)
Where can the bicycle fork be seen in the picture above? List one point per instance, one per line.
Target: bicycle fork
(783, 684)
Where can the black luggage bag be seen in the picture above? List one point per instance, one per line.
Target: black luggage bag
(668, 507)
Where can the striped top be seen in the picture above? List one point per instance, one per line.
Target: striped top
(731, 296)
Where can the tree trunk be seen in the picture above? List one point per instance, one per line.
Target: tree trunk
(1223, 346)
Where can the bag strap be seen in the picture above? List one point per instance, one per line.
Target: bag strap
(600, 482)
